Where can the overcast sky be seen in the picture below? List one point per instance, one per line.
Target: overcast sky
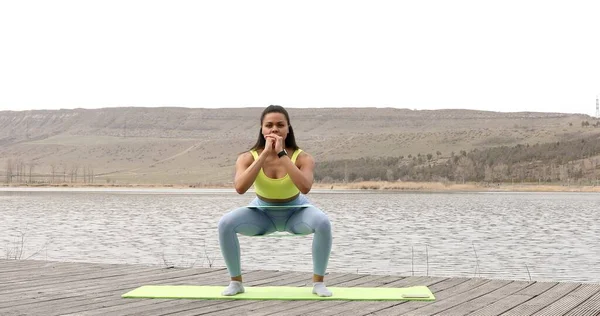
(490, 55)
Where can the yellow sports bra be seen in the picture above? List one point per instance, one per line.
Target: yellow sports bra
(281, 188)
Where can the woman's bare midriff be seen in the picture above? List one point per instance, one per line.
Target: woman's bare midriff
(278, 200)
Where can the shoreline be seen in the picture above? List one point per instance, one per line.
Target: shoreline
(359, 186)
(460, 187)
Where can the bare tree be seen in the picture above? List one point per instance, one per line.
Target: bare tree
(563, 173)
(31, 165)
(465, 168)
(389, 175)
(488, 173)
(500, 171)
(17, 169)
(53, 171)
(22, 168)
(9, 170)
(593, 163)
(74, 170)
(90, 174)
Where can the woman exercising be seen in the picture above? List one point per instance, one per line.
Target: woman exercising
(281, 174)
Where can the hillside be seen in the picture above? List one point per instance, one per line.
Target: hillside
(199, 146)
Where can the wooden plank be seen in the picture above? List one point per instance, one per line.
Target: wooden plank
(65, 288)
(534, 304)
(453, 298)
(184, 307)
(46, 274)
(468, 307)
(91, 284)
(439, 296)
(262, 305)
(366, 307)
(570, 301)
(58, 288)
(82, 297)
(112, 300)
(537, 288)
(93, 302)
(440, 306)
(258, 305)
(330, 305)
(236, 306)
(303, 307)
(77, 281)
(114, 303)
(178, 305)
(591, 307)
(31, 297)
(435, 285)
(120, 268)
(431, 282)
(108, 301)
(511, 301)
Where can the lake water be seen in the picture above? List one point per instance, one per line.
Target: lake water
(521, 236)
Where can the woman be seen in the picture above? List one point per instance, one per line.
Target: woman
(281, 174)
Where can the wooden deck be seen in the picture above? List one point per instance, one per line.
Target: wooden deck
(63, 288)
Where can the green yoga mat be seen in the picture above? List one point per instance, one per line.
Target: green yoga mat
(421, 293)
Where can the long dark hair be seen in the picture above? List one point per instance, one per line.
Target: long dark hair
(290, 140)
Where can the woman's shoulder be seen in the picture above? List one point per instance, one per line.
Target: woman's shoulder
(300, 151)
(245, 156)
(303, 155)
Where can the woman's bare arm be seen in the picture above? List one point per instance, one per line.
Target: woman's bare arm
(301, 173)
(246, 170)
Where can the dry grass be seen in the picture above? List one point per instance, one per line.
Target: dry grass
(439, 186)
(364, 185)
(117, 185)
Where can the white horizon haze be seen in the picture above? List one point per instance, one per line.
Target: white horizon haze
(509, 56)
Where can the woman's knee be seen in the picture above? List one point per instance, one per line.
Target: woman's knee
(322, 223)
(226, 222)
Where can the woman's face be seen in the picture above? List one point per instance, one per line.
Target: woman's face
(275, 123)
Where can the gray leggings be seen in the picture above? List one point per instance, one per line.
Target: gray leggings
(256, 221)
